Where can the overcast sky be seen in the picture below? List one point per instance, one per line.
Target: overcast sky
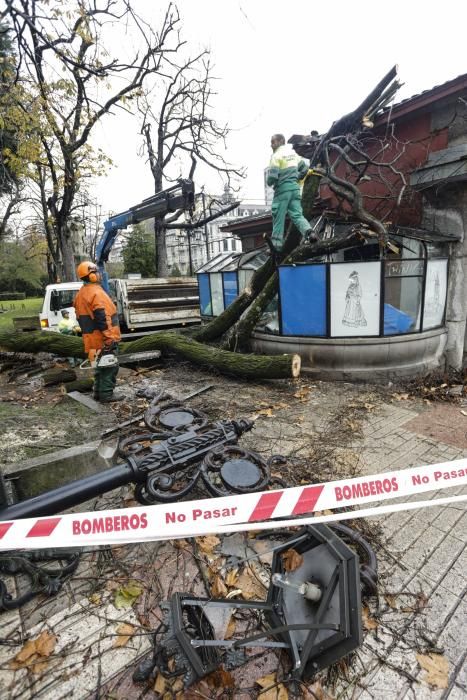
(291, 67)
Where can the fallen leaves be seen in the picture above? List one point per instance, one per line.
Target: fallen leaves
(207, 544)
(291, 560)
(250, 585)
(231, 627)
(303, 394)
(272, 690)
(35, 653)
(231, 578)
(436, 667)
(124, 631)
(220, 678)
(218, 588)
(95, 598)
(400, 397)
(268, 412)
(369, 622)
(316, 692)
(126, 595)
(159, 685)
(391, 601)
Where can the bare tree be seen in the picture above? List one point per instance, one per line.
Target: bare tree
(180, 132)
(63, 51)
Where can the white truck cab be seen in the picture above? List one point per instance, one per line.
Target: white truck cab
(58, 297)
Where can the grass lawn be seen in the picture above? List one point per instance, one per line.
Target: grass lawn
(22, 307)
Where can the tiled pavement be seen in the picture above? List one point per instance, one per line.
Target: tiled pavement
(427, 555)
(422, 561)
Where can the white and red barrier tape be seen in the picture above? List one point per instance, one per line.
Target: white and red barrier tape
(251, 511)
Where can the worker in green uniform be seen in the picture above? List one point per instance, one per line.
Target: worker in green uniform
(286, 169)
(66, 325)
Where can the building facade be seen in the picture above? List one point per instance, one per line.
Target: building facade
(187, 253)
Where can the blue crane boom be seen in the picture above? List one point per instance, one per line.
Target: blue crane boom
(179, 196)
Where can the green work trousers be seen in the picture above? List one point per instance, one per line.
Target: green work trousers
(105, 379)
(290, 203)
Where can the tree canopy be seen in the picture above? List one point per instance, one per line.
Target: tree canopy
(139, 252)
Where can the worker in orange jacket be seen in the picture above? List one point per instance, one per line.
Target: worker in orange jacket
(97, 316)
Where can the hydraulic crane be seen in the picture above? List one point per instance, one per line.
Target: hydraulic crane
(179, 196)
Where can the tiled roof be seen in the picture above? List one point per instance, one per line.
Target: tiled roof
(409, 104)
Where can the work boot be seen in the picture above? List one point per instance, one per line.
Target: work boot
(113, 398)
(275, 254)
(310, 237)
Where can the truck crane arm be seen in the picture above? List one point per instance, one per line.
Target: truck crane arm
(179, 196)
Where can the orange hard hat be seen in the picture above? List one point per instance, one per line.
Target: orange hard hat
(87, 269)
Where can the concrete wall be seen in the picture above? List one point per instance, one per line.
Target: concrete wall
(365, 359)
(445, 211)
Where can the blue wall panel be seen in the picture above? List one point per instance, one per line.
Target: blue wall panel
(230, 287)
(205, 305)
(303, 299)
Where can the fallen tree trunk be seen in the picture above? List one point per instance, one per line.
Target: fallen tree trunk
(248, 366)
(42, 341)
(85, 384)
(58, 375)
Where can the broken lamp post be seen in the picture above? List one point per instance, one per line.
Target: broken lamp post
(313, 613)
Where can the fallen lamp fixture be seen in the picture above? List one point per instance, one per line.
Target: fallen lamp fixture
(313, 612)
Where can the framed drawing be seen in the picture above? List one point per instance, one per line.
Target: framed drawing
(435, 293)
(355, 299)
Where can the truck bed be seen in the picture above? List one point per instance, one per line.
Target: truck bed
(162, 302)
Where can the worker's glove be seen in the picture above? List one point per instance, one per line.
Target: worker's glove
(109, 349)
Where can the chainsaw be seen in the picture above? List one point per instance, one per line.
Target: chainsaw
(97, 359)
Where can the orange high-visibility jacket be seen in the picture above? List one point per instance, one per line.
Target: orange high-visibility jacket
(97, 316)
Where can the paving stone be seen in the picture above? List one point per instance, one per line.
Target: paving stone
(422, 691)
(456, 693)
(419, 552)
(460, 528)
(447, 519)
(461, 678)
(441, 605)
(452, 634)
(385, 684)
(447, 552)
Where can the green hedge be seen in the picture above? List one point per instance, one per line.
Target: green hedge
(12, 296)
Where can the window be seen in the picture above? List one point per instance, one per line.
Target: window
(64, 298)
(217, 293)
(225, 244)
(204, 295)
(230, 287)
(403, 290)
(435, 293)
(303, 299)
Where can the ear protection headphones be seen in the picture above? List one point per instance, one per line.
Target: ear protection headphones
(94, 276)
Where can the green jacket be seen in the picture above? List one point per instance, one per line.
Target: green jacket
(285, 170)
